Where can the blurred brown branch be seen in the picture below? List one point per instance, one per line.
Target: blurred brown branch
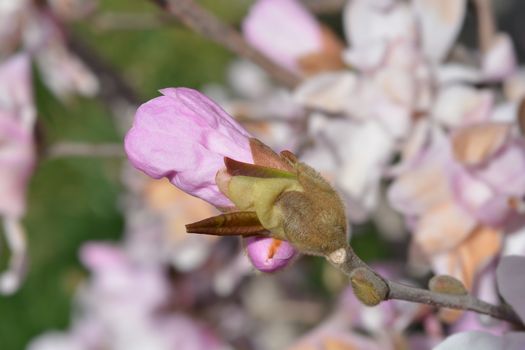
(205, 23)
(486, 24)
(74, 149)
(366, 282)
(324, 6)
(130, 21)
(116, 92)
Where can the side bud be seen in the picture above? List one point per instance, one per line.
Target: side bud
(447, 285)
(368, 287)
(269, 254)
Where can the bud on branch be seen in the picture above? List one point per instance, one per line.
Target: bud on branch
(282, 203)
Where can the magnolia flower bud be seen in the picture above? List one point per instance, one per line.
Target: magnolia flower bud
(269, 254)
(185, 137)
(296, 205)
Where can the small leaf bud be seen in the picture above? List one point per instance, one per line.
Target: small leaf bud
(447, 285)
(368, 287)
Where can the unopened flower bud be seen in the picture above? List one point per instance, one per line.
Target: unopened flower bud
(447, 284)
(269, 254)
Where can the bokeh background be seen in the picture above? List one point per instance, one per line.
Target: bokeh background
(76, 199)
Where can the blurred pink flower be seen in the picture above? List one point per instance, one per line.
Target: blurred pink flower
(17, 117)
(38, 31)
(500, 61)
(291, 36)
(11, 13)
(488, 184)
(17, 160)
(63, 72)
(185, 136)
(121, 308)
(460, 193)
(284, 30)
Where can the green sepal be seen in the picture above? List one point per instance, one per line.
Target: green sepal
(236, 168)
(260, 195)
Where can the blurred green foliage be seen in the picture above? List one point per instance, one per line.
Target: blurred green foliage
(74, 200)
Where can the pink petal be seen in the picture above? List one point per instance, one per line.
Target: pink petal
(184, 136)
(17, 116)
(283, 30)
(360, 174)
(424, 183)
(365, 23)
(17, 160)
(269, 254)
(479, 199)
(510, 275)
(475, 145)
(441, 22)
(458, 105)
(100, 256)
(62, 71)
(327, 91)
(471, 256)
(515, 242)
(368, 57)
(504, 171)
(514, 86)
(443, 228)
(453, 73)
(16, 89)
(500, 61)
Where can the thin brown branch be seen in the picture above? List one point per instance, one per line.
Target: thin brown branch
(348, 262)
(324, 6)
(72, 149)
(205, 23)
(486, 24)
(400, 291)
(115, 21)
(116, 92)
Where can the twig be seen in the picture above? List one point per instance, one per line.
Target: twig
(130, 21)
(486, 24)
(464, 302)
(72, 149)
(203, 22)
(348, 262)
(116, 92)
(324, 6)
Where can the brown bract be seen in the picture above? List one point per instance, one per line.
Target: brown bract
(280, 197)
